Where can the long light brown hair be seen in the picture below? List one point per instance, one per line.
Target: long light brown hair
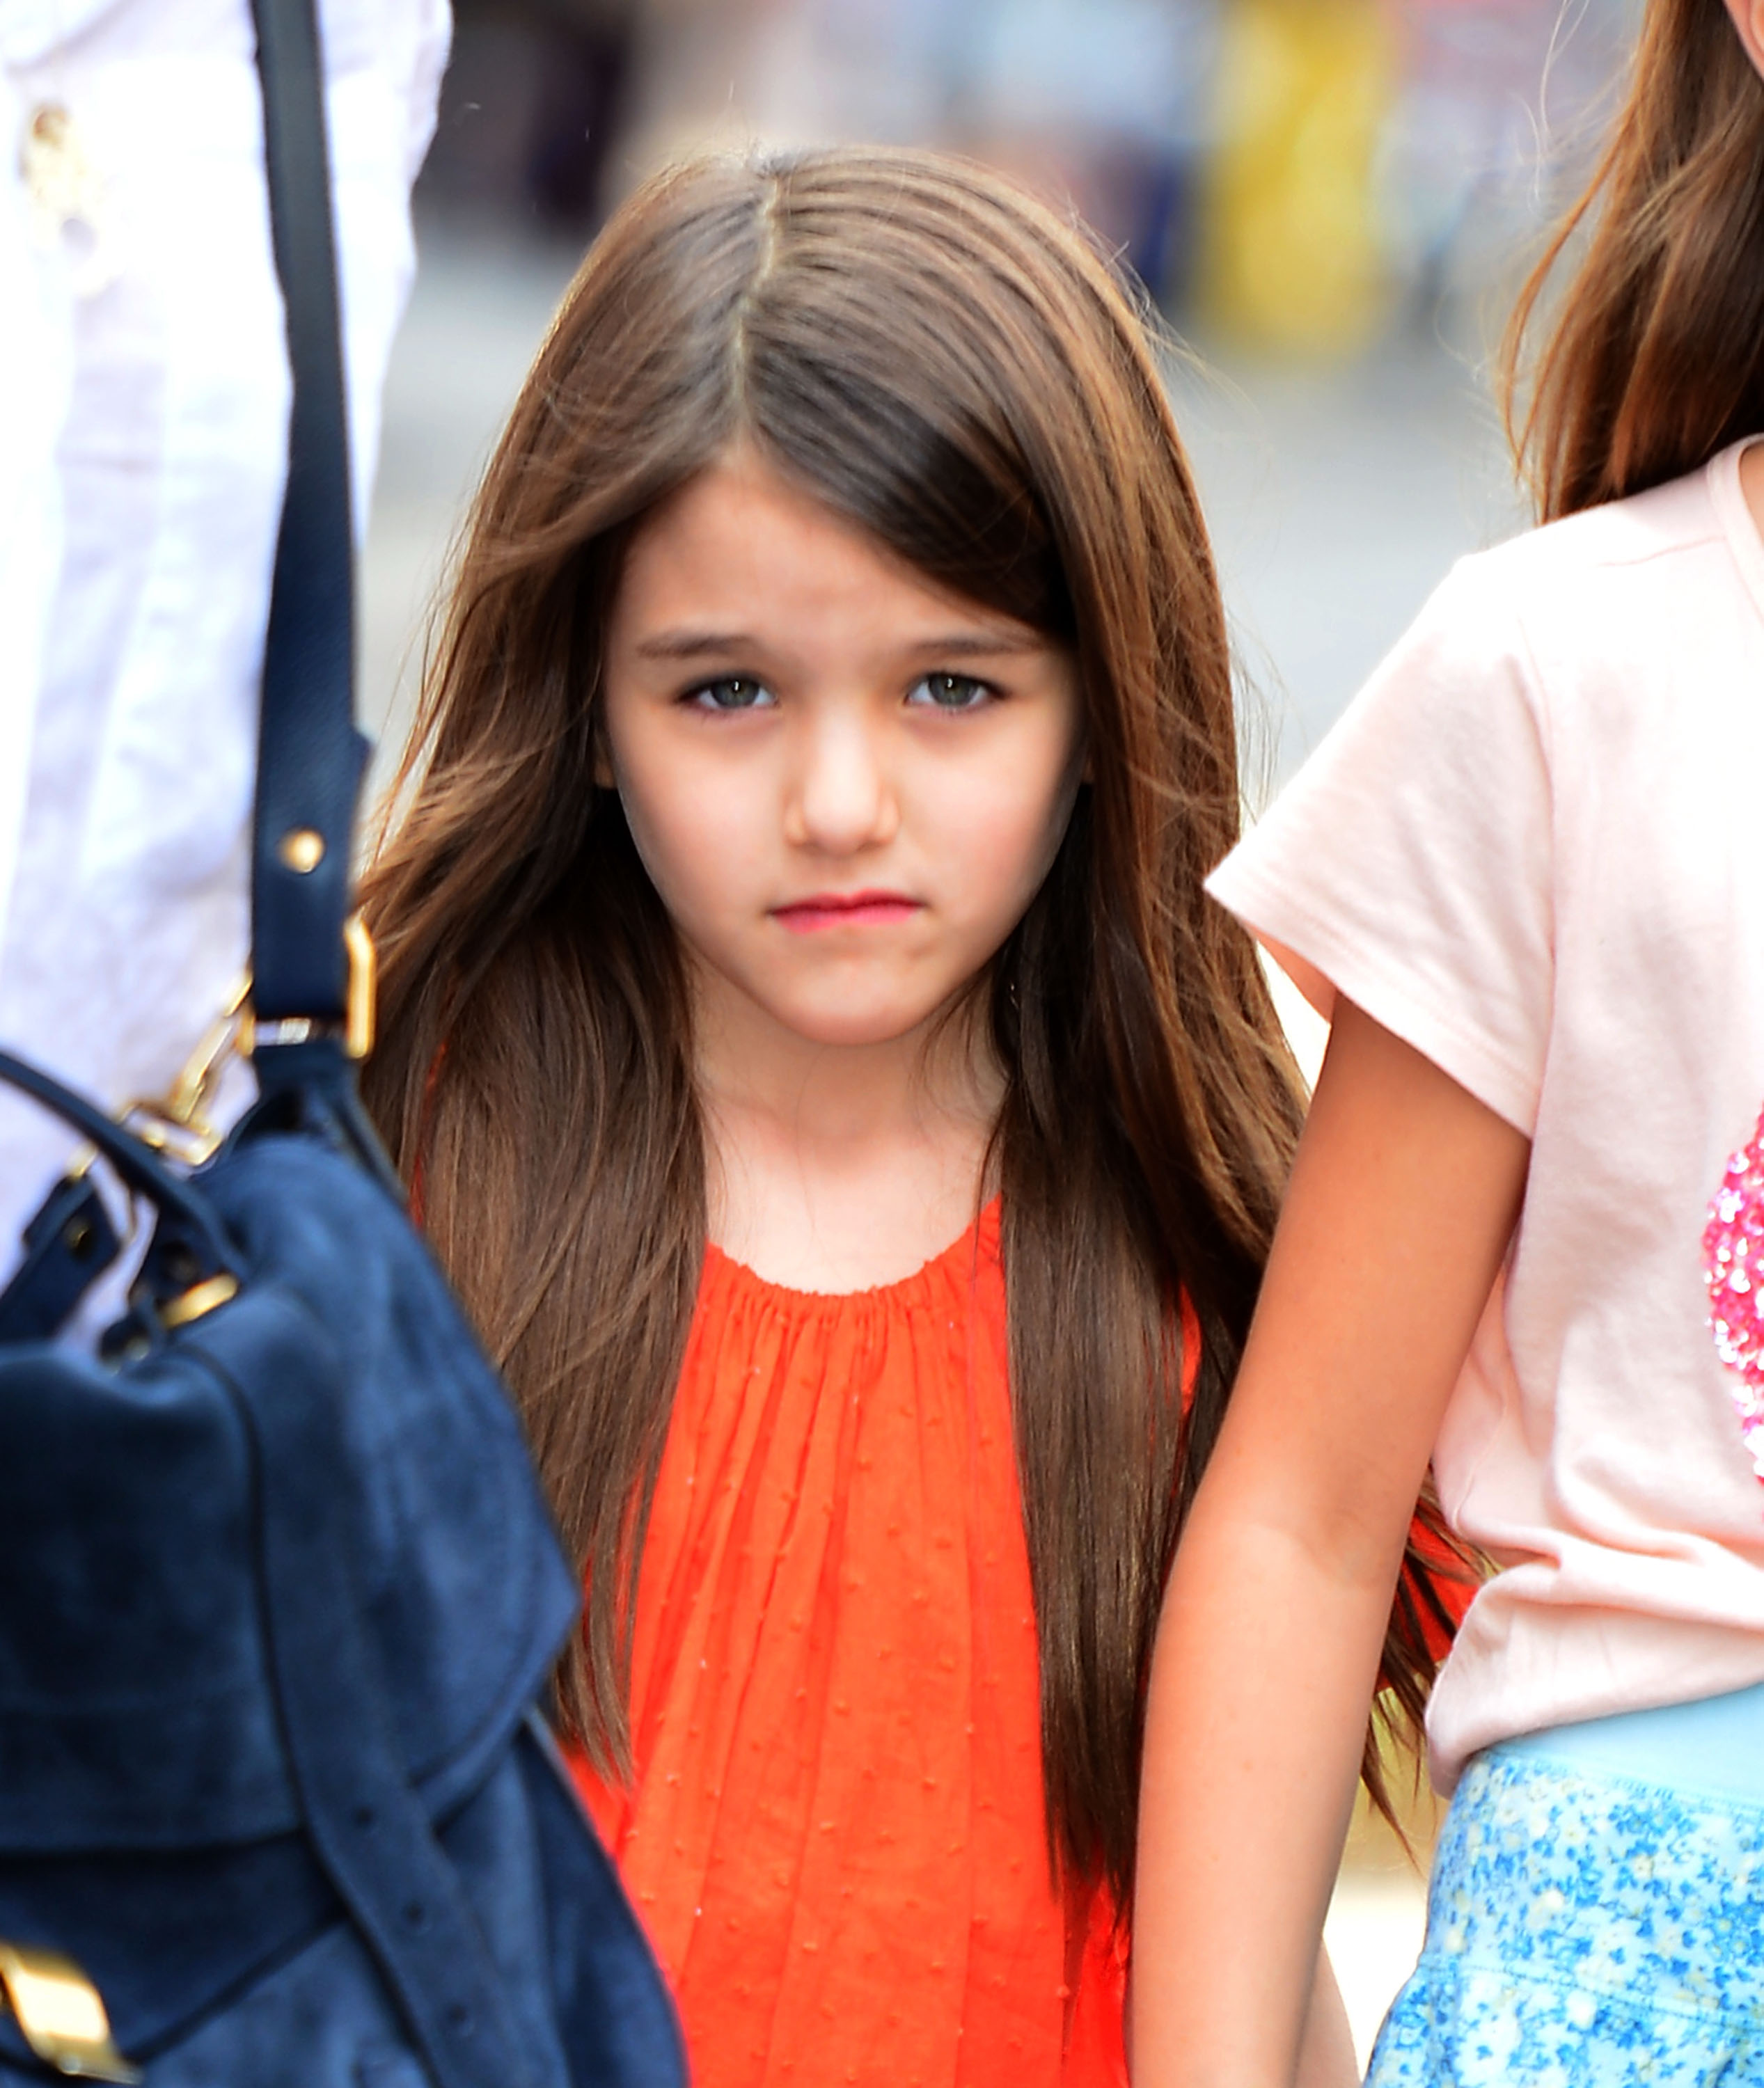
(938, 357)
(1656, 360)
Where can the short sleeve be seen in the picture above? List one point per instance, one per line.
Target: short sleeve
(1408, 865)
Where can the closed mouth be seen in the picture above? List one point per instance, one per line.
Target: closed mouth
(846, 909)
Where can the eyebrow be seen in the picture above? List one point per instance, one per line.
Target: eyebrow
(689, 645)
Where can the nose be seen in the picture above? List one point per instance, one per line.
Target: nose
(841, 799)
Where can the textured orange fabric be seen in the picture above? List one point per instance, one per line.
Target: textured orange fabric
(835, 1833)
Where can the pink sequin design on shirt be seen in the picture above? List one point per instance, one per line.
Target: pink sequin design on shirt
(1733, 1269)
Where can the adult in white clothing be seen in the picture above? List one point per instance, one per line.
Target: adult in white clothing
(143, 396)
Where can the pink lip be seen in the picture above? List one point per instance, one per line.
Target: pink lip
(845, 910)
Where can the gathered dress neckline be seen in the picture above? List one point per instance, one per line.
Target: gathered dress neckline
(897, 1289)
(835, 1833)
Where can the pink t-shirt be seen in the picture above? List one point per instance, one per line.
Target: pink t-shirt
(1533, 848)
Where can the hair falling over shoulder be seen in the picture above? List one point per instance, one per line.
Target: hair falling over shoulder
(1656, 358)
(936, 356)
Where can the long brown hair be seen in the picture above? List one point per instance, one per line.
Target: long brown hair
(1657, 359)
(935, 355)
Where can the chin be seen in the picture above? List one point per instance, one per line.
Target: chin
(845, 1027)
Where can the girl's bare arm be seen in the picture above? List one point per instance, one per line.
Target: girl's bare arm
(1326, 2050)
(1402, 1200)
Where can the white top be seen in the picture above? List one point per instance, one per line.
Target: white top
(1533, 848)
(143, 418)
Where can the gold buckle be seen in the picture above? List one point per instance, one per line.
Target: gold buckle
(358, 1028)
(178, 1122)
(60, 2013)
(358, 1008)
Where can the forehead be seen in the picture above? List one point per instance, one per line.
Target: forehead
(741, 546)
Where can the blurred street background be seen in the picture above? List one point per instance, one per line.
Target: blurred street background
(1333, 200)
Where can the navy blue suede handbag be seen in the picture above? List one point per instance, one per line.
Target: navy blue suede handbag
(278, 1591)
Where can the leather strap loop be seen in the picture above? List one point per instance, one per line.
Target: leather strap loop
(310, 755)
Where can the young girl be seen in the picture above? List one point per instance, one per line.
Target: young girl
(1524, 1230)
(819, 1071)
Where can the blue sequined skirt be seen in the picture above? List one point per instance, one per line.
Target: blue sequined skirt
(1585, 1931)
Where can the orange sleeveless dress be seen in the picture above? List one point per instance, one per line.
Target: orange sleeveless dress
(835, 1832)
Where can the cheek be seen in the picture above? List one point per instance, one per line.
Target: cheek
(694, 832)
(999, 828)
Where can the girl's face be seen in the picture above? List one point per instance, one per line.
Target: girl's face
(846, 784)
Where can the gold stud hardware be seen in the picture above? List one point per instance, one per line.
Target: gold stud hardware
(301, 850)
(199, 1299)
(60, 2014)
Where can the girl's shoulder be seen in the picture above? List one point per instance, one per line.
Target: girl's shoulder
(1672, 572)
(1544, 752)
(1535, 660)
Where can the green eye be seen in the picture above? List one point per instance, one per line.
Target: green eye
(731, 692)
(948, 692)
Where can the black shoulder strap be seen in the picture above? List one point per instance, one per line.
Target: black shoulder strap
(310, 755)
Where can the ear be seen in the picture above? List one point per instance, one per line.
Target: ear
(1749, 20)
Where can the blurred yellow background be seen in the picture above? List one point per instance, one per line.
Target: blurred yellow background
(1291, 254)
